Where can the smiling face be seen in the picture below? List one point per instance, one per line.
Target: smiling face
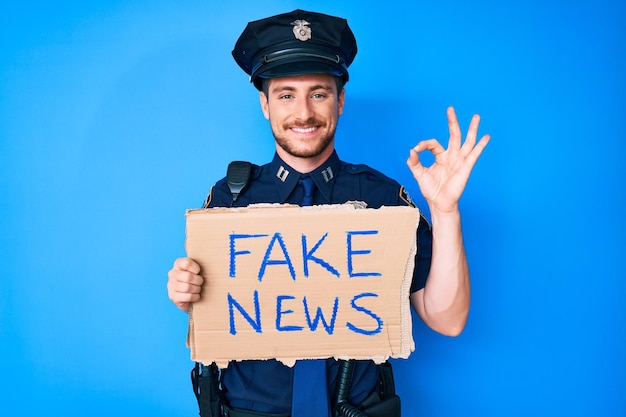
(303, 112)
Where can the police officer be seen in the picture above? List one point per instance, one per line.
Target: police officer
(299, 63)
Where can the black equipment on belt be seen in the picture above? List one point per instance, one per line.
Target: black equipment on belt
(341, 406)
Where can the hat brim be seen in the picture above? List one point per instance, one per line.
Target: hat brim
(290, 68)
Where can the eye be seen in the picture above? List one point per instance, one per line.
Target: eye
(319, 95)
(285, 97)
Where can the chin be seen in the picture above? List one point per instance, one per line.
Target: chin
(305, 152)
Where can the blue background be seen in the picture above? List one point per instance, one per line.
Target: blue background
(117, 116)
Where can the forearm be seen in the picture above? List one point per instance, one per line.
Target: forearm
(444, 302)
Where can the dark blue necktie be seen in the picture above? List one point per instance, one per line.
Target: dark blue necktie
(309, 186)
(310, 387)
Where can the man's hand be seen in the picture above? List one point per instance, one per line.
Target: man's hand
(443, 182)
(184, 283)
(444, 302)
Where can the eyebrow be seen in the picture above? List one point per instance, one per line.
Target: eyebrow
(325, 87)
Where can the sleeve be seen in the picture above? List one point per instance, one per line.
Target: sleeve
(423, 255)
(424, 238)
(219, 196)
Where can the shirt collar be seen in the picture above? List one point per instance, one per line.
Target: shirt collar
(286, 177)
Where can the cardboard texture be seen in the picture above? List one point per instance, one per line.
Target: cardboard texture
(289, 282)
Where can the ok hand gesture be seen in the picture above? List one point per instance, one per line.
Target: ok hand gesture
(443, 182)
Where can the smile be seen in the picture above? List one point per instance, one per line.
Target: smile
(304, 129)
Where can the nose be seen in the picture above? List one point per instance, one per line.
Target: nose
(304, 109)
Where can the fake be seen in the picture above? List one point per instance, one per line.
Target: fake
(307, 255)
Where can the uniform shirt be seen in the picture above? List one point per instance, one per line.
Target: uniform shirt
(266, 386)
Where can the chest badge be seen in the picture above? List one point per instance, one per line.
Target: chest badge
(301, 30)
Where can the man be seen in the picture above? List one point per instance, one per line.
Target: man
(299, 62)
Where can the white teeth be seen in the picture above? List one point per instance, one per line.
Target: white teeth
(303, 130)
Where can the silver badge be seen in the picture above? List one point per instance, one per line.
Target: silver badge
(327, 174)
(282, 173)
(301, 30)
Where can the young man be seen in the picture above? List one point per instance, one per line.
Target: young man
(299, 63)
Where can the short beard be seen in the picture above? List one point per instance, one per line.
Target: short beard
(306, 153)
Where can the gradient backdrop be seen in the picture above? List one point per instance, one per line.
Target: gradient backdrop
(117, 116)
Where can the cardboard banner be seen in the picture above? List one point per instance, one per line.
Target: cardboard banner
(286, 282)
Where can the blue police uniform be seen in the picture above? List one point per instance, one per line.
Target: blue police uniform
(291, 44)
(266, 386)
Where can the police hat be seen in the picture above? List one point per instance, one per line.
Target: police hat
(295, 43)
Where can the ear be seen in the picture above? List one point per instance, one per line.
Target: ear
(265, 105)
(340, 101)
